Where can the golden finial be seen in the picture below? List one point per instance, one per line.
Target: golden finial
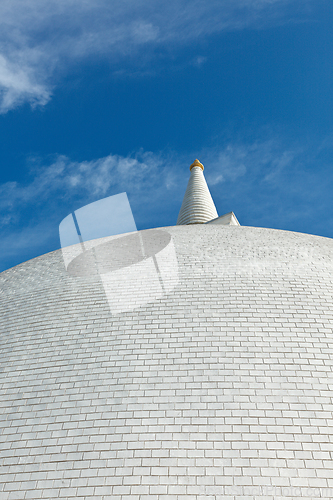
(197, 163)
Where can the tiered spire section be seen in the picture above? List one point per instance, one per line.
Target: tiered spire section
(198, 206)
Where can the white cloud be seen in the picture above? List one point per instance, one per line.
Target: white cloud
(66, 181)
(146, 177)
(265, 161)
(31, 212)
(279, 164)
(17, 84)
(262, 181)
(228, 164)
(40, 40)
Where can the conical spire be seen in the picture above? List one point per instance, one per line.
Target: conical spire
(198, 206)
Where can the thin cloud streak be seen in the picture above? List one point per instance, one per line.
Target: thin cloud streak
(146, 174)
(261, 181)
(86, 179)
(40, 40)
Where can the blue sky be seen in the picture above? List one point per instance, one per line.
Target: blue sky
(98, 97)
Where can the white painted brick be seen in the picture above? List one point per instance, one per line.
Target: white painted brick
(225, 381)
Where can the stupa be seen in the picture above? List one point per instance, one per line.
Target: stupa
(179, 363)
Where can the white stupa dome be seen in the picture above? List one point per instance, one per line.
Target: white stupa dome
(215, 382)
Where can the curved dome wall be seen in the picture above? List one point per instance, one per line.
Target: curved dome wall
(219, 387)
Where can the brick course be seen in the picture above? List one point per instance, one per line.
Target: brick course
(221, 388)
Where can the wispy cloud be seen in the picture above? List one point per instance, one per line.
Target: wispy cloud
(273, 182)
(39, 40)
(263, 160)
(31, 212)
(65, 179)
(268, 183)
(63, 184)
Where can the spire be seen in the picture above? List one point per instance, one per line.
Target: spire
(198, 206)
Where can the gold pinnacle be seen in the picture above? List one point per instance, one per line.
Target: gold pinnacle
(197, 163)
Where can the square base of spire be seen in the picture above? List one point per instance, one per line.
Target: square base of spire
(228, 219)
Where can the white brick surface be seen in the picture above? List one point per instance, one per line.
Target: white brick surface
(221, 389)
